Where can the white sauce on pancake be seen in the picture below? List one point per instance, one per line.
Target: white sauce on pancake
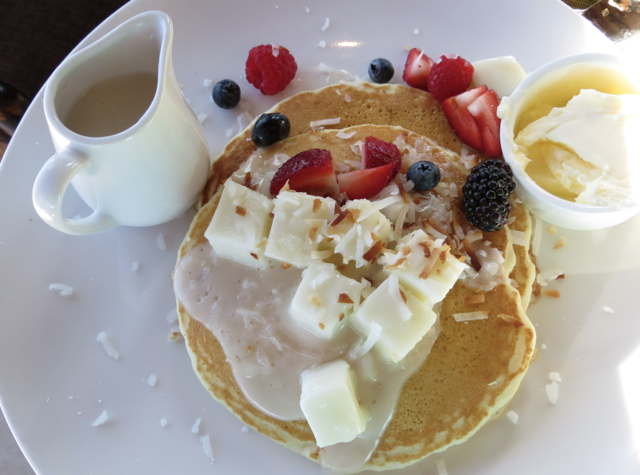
(248, 312)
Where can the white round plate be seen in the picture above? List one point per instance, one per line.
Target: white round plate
(56, 379)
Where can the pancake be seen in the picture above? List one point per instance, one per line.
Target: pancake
(473, 369)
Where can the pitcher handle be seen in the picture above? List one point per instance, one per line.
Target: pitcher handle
(50, 187)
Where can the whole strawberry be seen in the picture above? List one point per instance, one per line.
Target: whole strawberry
(450, 75)
(270, 68)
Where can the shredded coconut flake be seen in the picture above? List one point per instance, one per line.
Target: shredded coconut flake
(135, 266)
(555, 377)
(307, 9)
(196, 426)
(362, 348)
(442, 470)
(102, 418)
(347, 97)
(318, 123)
(229, 132)
(468, 316)
(326, 25)
(163, 422)
(345, 135)
(172, 316)
(518, 238)
(208, 82)
(608, 309)
(552, 392)
(152, 380)
(64, 290)
(111, 351)
(513, 416)
(160, 241)
(202, 117)
(416, 31)
(537, 236)
(206, 446)
(322, 44)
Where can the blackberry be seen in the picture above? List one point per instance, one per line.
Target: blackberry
(381, 70)
(270, 128)
(226, 94)
(486, 195)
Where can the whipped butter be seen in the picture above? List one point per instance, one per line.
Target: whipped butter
(591, 148)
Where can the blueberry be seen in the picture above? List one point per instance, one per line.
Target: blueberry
(380, 71)
(270, 128)
(226, 94)
(424, 175)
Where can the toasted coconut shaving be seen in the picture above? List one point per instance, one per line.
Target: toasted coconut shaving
(425, 248)
(317, 203)
(403, 192)
(472, 299)
(470, 316)
(262, 243)
(396, 264)
(241, 211)
(475, 262)
(404, 297)
(511, 320)
(341, 217)
(561, 243)
(285, 265)
(316, 300)
(312, 233)
(551, 293)
(254, 255)
(344, 298)
(371, 254)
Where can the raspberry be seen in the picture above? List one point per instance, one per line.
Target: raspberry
(450, 75)
(486, 195)
(270, 68)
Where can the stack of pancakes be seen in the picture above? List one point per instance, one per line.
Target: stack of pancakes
(475, 367)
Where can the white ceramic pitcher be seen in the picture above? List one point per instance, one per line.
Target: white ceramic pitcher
(146, 174)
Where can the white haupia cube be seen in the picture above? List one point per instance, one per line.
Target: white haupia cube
(420, 268)
(330, 404)
(323, 299)
(404, 319)
(240, 225)
(360, 229)
(299, 225)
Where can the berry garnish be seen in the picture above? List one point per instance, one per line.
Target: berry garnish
(310, 171)
(381, 70)
(473, 117)
(485, 111)
(424, 175)
(417, 69)
(450, 75)
(270, 128)
(378, 153)
(456, 110)
(226, 94)
(365, 184)
(270, 68)
(486, 195)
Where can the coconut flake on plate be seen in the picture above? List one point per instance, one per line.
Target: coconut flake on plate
(64, 290)
(416, 31)
(362, 347)
(316, 124)
(307, 9)
(553, 376)
(244, 429)
(206, 446)
(135, 266)
(537, 236)
(160, 242)
(163, 422)
(552, 391)
(513, 416)
(442, 470)
(172, 316)
(228, 132)
(608, 309)
(469, 316)
(326, 24)
(202, 117)
(102, 418)
(518, 238)
(322, 44)
(106, 343)
(196, 426)
(208, 82)
(152, 380)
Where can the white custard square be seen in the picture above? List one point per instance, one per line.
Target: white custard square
(404, 319)
(330, 404)
(323, 299)
(240, 225)
(299, 225)
(420, 269)
(357, 233)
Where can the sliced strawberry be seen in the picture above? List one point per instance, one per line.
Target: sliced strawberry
(310, 171)
(484, 111)
(378, 153)
(365, 184)
(460, 119)
(417, 69)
